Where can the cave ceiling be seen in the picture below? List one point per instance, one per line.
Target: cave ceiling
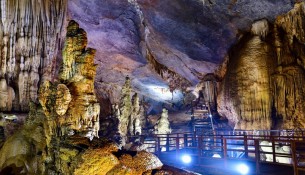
(189, 37)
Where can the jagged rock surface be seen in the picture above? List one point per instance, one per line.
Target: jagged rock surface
(45, 144)
(137, 116)
(125, 108)
(80, 110)
(164, 44)
(264, 84)
(289, 77)
(30, 33)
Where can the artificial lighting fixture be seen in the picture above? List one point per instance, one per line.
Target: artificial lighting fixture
(243, 169)
(186, 159)
(216, 156)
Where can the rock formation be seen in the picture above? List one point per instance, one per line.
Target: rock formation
(163, 126)
(79, 72)
(209, 88)
(168, 43)
(53, 138)
(30, 33)
(81, 111)
(247, 84)
(135, 126)
(125, 108)
(264, 85)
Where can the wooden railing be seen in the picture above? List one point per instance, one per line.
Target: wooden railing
(242, 146)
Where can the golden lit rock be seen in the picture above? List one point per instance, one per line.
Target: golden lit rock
(141, 162)
(30, 40)
(246, 94)
(96, 162)
(63, 99)
(79, 71)
(265, 76)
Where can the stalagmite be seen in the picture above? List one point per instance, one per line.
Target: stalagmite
(134, 125)
(163, 125)
(75, 101)
(125, 107)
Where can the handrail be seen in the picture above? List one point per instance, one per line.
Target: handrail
(225, 145)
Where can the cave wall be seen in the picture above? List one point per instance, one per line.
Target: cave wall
(264, 84)
(30, 35)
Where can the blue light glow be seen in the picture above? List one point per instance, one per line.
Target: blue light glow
(243, 169)
(186, 159)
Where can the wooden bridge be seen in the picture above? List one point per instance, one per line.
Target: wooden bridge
(265, 151)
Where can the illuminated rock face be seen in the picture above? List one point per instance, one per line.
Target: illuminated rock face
(264, 84)
(46, 145)
(125, 108)
(79, 72)
(30, 37)
(163, 125)
(137, 116)
(75, 103)
(289, 76)
(168, 44)
(247, 84)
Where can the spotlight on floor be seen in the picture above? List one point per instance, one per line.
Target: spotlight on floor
(243, 169)
(186, 159)
(216, 156)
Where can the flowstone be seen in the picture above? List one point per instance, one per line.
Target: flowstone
(264, 84)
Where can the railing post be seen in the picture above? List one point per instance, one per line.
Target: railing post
(158, 145)
(177, 148)
(167, 142)
(246, 145)
(199, 145)
(194, 139)
(273, 150)
(185, 141)
(257, 156)
(221, 142)
(225, 152)
(294, 158)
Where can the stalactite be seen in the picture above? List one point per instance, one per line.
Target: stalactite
(30, 31)
(174, 80)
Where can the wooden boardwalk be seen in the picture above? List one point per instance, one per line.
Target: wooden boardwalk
(267, 151)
